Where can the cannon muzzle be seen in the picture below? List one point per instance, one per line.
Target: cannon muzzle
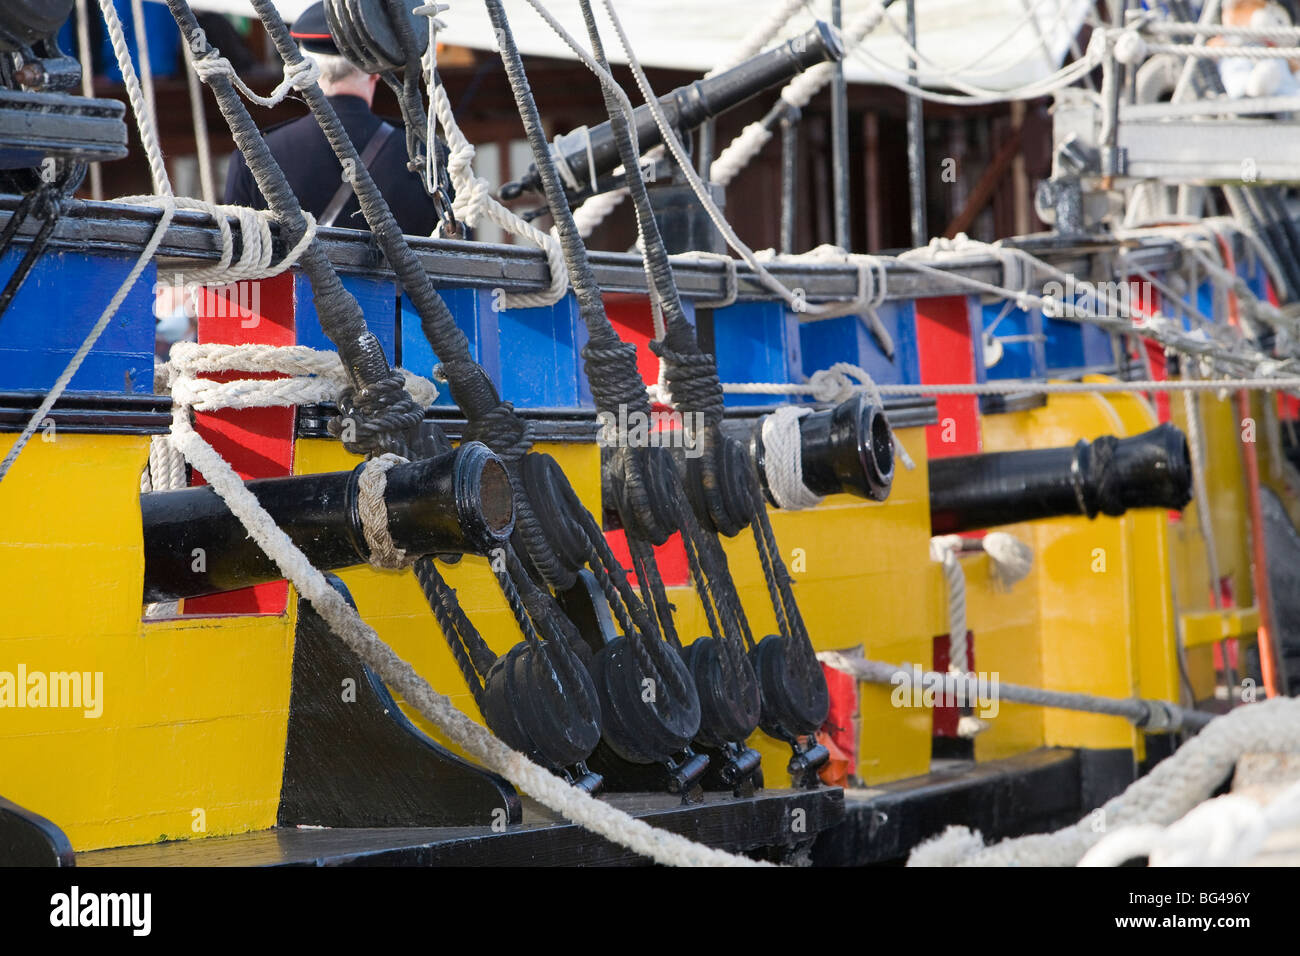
(458, 502)
(848, 449)
(585, 155)
(1106, 476)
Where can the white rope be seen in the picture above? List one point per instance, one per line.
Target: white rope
(798, 93)
(970, 69)
(570, 802)
(739, 153)
(759, 37)
(828, 381)
(597, 209)
(165, 470)
(1139, 49)
(148, 133)
(297, 76)
(1012, 559)
(1179, 28)
(1176, 785)
(1148, 714)
(1227, 831)
(88, 87)
(146, 65)
(973, 95)
(202, 146)
(731, 280)
(474, 202)
(255, 257)
(551, 791)
(783, 459)
(313, 376)
(945, 549)
(372, 507)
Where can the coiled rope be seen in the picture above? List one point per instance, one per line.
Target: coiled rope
(1175, 785)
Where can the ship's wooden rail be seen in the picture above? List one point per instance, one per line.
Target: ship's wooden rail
(112, 227)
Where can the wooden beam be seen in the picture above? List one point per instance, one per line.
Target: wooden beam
(988, 182)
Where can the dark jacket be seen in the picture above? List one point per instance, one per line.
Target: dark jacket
(315, 174)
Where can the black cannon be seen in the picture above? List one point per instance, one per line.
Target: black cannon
(1106, 476)
(848, 449)
(455, 503)
(585, 155)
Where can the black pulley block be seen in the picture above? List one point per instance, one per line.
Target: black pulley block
(645, 722)
(548, 533)
(847, 449)
(542, 702)
(29, 21)
(640, 484)
(364, 33)
(717, 476)
(729, 709)
(792, 704)
(647, 717)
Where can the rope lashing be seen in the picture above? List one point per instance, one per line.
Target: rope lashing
(311, 584)
(550, 790)
(256, 256)
(841, 381)
(297, 76)
(314, 377)
(783, 461)
(384, 554)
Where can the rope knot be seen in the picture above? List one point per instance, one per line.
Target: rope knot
(375, 418)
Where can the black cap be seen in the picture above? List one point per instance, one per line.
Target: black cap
(312, 31)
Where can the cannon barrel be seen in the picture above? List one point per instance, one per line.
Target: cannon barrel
(848, 449)
(583, 150)
(1106, 476)
(457, 502)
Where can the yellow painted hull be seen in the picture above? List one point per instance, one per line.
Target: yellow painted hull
(191, 738)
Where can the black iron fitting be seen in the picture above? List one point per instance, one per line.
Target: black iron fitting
(1108, 476)
(457, 503)
(685, 108)
(848, 449)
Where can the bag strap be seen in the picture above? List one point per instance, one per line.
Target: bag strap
(344, 193)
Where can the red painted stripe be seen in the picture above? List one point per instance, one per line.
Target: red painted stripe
(947, 355)
(258, 442)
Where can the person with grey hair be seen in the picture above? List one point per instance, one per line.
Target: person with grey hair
(314, 172)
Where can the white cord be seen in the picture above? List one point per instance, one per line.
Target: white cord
(474, 201)
(783, 459)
